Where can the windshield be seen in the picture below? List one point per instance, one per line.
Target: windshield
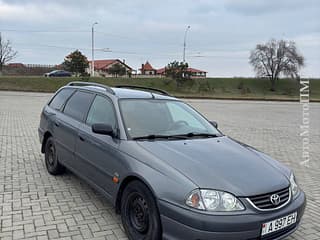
(145, 117)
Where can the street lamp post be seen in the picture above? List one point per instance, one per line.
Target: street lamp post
(184, 44)
(92, 42)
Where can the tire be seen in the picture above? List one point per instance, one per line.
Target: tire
(139, 213)
(51, 158)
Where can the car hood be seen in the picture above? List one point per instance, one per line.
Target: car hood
(222, 164)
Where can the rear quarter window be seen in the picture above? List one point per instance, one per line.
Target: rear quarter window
(60, 98)
(78, 105)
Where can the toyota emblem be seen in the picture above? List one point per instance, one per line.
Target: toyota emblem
(275, 199)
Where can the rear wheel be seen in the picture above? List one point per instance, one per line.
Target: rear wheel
(51, 158)
(139, 213)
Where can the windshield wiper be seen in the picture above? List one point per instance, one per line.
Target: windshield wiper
(155, 136)
(177, 136)
(195, 134)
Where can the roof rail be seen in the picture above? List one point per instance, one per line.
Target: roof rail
(162, 92)
(77, 83)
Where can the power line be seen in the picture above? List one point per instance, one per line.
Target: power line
(96, 49)
(63, 31)
(42, 31)
(101, 50)
(136, 39)
(87, 31)
(114, 35)
(172, 54)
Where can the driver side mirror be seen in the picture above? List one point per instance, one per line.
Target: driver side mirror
(104, 129)
(214, 123)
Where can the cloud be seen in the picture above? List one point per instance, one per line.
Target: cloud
(31, 12)
(258, 7)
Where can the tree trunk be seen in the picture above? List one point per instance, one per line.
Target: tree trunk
(273, 84)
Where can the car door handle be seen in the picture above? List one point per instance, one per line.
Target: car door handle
(81, 138)
(57, 123)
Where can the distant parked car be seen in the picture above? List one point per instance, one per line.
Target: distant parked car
(58, 73)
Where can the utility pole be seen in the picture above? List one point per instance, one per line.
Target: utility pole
(92, 42)
(184, 44)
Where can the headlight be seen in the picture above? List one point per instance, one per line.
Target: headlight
(293, 185)
(212, 200)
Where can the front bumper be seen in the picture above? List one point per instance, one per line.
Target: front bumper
(181, 223)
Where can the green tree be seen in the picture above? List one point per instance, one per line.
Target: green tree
(276, 58)
(76, 63)
(117, 70)
(178, 71)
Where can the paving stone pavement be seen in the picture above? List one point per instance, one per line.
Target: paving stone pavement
(36, 205)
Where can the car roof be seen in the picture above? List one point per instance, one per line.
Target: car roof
(58, 70)
(124, 93)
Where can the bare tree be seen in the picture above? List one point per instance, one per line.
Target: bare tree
(276, 58)
(6, 52)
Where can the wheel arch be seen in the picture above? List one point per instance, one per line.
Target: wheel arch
(124, 183)
(46, 136)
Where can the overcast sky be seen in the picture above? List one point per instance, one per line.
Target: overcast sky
(219, 41)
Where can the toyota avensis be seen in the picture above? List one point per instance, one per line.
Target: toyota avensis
(168, 171)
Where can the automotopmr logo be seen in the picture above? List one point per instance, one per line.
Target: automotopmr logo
(305, 126)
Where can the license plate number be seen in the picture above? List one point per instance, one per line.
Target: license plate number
(278, 224)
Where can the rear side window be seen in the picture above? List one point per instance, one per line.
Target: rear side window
(78, 105)
(60, 98)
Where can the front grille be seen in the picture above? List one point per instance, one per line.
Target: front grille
(263, 201)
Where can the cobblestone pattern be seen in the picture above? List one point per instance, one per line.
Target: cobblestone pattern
(36, 205)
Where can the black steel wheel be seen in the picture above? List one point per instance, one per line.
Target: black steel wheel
(139, 213)
(51, 158)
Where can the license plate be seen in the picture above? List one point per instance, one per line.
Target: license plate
(278, 224)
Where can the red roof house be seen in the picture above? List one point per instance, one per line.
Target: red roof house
(102, 66)
(193, 72)
(147, 69)
(197, 73)
(161, 71)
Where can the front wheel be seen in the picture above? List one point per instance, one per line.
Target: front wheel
(51, 158)
(139, 213)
